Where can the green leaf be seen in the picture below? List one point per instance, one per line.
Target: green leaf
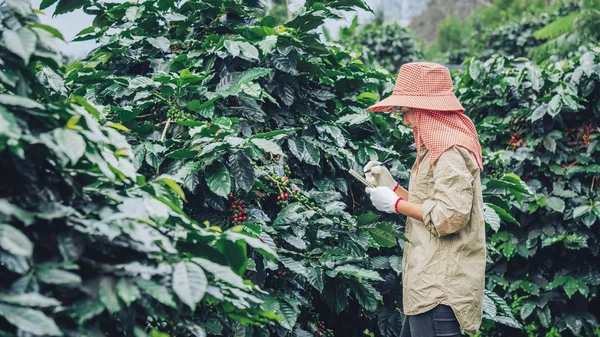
(503, 214)
(268, 44)
(65, 6)
(367, 218)
(293, 265)
(20, 101)
(117, 126)
(194, 105)
(87, 106)
(220, 272)
(248, 50)
(550, 140)
(87, 309)
(140, 82)
(336, 295)
(353, 119)
(108, 294)
(157, 291)
(539, 112)
(57, 276)
(396, 264)
(218, 180)
(554, 106)
(189, 283)
(581, 210)
(384, 234)
(366, 295)
(315, 278)
(21, 42)
(232, 47)
(545, 316)
(475, 69)
(30, 320)
(292, 213)
(557, 282)
(161, 43)
(289, 314)
(29, 300)
(257, 244)
(231, 84)
(207, 109)
(156, 333)
(491, 217)
(267, 145)
(556, 204)
(527, 310)
(14, 241)
(72, 142)
(368, 96)
(305, 151)
(47, 28)
(127, 291)
(47, 3)
(357, 272)
(571, 285)
(242, 170)
(170, 181)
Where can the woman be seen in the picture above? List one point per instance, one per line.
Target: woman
(443, 266)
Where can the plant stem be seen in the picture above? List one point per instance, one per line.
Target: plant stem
(164, 133)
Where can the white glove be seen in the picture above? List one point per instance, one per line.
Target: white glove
(379, 175)
(383, 198)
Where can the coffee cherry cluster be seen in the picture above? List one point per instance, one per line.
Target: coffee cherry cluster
(323, 331)
(280, 273)
(238, 208)
(177, 114)
(286, 169)
(586, 135)
(514, 140)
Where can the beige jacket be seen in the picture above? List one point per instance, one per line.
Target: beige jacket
(444, 260)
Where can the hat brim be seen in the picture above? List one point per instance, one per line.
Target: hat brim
(441, 103)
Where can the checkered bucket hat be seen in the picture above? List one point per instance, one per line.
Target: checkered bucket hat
(421, 85)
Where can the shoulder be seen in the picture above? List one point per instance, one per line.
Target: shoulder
(457, 160)
(459, 154)
(455, 154)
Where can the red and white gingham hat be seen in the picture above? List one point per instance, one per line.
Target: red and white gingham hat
(421, 85)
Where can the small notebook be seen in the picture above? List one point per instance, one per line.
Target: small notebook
(360, 178)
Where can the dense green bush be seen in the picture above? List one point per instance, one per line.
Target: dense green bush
(88, 247)
(388, 46)
(542, 123)
(516, 38)
(227, 106)
(238, 105)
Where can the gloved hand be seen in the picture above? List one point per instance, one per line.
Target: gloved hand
(383, 198)
(379, 175)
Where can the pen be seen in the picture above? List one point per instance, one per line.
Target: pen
(382, 163)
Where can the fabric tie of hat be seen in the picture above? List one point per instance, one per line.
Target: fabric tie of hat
(422, 85)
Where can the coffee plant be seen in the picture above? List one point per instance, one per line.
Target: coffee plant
(188, 178)
(89, 247)
(517, 38)
(542, 124)
(388, 46)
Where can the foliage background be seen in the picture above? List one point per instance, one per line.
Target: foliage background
(183, 104)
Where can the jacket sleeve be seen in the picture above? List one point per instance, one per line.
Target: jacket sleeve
(450, 208)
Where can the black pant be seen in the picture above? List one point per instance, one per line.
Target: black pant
(437, 322)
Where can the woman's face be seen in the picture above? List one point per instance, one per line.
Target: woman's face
(409, 117)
